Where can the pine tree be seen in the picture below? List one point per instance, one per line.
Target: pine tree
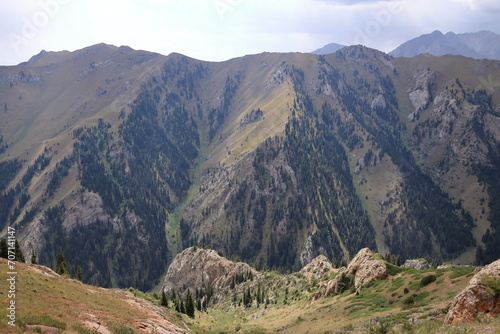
(79, 274)
(61, 266)
(19, 253)
(189, 304)
(4, 249)
(164, 300)
(33, 258)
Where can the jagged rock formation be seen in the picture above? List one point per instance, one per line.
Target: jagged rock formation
(363, 268)
(196, 268)
(318, 268)
(481, 296)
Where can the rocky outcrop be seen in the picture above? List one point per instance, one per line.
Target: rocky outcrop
(378, 103)
(481, 295)
(419, 264)
(197, 267)
(363, 268)
(317, 268)
(20, 76)
(310, 252)
(420, 96)
(88, 210)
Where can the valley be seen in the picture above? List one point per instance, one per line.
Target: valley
(122, 158)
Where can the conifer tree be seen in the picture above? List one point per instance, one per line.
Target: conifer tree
(189, 304)
(61, 266)
(4, 249)
(33, 258)
(79, 274)
(198, 304)
(19, 253)
(182, 309)
(164, 300)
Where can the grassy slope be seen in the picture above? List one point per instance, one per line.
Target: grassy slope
(378, 305)
(46, 299)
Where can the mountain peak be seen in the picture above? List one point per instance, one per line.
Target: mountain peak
(478, 45)
(329, 48)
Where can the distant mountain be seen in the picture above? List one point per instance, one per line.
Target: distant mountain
(478, 45)
(329, 48)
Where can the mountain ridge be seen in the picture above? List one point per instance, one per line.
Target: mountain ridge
(478, 45)
(272, 159)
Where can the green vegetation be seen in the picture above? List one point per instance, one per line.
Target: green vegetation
(61, 266)
(45, 320)
(270, 159)
(427, 280)
(493, 284)
(267, 302)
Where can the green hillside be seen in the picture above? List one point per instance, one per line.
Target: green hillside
(120, 159)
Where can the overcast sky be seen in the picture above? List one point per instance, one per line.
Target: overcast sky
(223, 29)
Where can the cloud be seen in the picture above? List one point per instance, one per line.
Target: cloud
(222, 29)
(482, 5)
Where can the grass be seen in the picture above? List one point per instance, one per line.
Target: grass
(396, 284)
(68, 305)
(60, 303)
(461, 271)
(493, 284)
(44, 320)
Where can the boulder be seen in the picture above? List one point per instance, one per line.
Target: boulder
(419, 264)
(481, 295)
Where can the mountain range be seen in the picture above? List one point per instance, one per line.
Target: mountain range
(477, 45)
(120, 158)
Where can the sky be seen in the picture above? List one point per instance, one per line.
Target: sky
(217, 30)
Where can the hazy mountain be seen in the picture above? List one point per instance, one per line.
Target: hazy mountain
(479, 45)
(329, 48)
(122, 158)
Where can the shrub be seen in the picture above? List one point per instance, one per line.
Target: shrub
(409, 301)
(427, 280)
(492, 283)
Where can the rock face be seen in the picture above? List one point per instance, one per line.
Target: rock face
(421, 94)
(477, 297)
(366, 268)
(363, 269)
(196, 267)
(419, 264)
(317, 268)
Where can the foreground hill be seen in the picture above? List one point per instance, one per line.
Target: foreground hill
(400, 300)
(121, 159)
(48, 303)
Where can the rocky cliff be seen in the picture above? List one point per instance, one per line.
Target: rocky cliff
(481, 296)
(365, 267)
(197, 268)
